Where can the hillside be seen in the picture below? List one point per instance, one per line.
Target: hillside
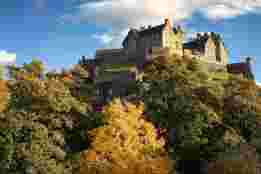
(179, 110)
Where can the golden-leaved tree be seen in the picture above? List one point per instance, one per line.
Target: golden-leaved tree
(4, 95)
(126, 137)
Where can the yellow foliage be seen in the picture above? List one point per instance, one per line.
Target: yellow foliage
(126, 136)
(4, 93)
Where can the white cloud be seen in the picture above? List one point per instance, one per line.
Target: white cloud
(222, 11)
(7, 58)
(258, 83)
(120, 15)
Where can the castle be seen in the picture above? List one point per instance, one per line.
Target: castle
(141, 45)
(147, 43)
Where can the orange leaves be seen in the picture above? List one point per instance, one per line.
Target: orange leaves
(67, 77)
(89, 155)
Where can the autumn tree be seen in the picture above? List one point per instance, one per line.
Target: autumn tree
(4, 95)
(126, 136)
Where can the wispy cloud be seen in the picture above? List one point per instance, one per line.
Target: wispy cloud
(120, 15)
(7, 58)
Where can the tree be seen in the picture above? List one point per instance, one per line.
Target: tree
(125, 137)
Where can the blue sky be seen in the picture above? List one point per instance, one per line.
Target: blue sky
(60, 32)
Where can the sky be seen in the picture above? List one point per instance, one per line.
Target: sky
(60, 32)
